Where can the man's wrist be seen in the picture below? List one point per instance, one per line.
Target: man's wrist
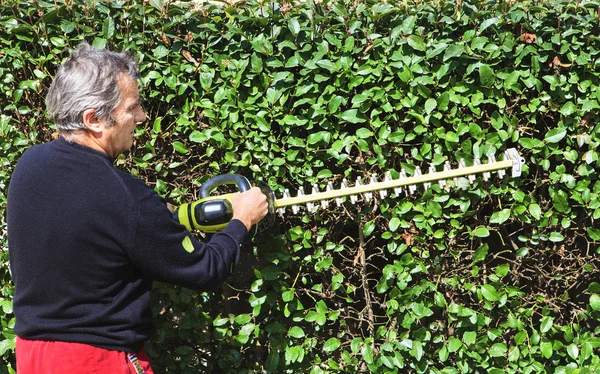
(246, 223)
(237, 229)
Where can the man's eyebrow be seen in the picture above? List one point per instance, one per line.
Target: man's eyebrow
(136, 103)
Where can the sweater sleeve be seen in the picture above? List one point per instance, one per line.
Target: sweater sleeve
(166, 251)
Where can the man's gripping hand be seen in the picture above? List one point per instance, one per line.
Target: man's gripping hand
(250, 206)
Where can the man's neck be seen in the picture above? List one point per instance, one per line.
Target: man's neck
(82, 137)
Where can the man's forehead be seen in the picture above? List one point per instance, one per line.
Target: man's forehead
(127, 81)
(128, 86)
(130, 96)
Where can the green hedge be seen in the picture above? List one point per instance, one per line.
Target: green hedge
(494, 277)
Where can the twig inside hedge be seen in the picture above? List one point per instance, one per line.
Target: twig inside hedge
(365, 283)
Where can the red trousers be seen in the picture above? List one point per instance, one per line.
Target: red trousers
(44, 357)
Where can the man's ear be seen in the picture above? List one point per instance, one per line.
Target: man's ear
(91, 122)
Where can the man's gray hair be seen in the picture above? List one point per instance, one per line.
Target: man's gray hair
(88, 80)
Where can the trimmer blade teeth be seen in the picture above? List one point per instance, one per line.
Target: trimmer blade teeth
(427, 185)
(312, 207)
(382, 193)
(286, 195)
(402, 176)
(368, 196)
(472, 177)
(343, 185)
(461, 165)
(296, 208)
(442, 182)
(413, 188)
(491, 159)
(325, 203)
(476, 162)
(387, 178)
(354, 198)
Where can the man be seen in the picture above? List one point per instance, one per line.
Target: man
(86, 240)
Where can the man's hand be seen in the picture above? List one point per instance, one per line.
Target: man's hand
(250, 206)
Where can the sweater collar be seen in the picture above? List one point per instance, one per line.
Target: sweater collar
(74, 145)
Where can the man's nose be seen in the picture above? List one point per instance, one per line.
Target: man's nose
(141, 116)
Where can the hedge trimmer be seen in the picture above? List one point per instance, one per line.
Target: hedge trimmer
(212, 213)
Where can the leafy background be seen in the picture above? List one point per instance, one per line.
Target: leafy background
(493, 277)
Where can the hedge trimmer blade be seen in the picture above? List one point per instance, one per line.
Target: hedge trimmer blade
(407, 184)
(212, 213)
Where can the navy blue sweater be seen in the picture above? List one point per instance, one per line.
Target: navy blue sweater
(85, 242)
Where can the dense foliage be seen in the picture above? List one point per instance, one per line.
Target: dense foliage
(493, 277)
